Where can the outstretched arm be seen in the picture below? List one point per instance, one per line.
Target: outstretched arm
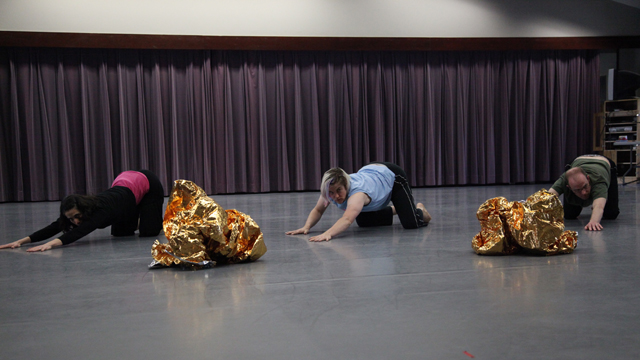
(354, 207)
(42, 234)
(314, 217)
(44, 247)
(554, 192)
(16, 244)
(596, 214)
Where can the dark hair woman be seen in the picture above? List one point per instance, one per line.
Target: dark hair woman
(134, 202)
(365, 197)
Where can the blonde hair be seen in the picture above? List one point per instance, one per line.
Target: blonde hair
(333, 176)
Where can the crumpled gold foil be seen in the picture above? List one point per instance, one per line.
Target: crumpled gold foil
(536, 225)
(200, 232)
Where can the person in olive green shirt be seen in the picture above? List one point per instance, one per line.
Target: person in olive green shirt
(591, 180)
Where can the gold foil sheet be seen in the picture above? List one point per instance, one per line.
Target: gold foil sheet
(200, 232)
(536, 225)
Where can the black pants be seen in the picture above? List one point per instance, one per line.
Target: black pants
(148, 214)
(611, 209)
(402, 198)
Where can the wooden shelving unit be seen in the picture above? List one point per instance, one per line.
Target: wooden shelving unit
(619, 121)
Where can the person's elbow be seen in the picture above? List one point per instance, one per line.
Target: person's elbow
(348, 219)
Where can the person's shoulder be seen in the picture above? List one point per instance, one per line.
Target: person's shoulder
(560, 184)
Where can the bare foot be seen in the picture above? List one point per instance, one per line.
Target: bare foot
(425, 214)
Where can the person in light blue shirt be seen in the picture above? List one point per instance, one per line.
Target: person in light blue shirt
(365, 197)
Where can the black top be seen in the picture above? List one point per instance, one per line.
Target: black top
(114, 205)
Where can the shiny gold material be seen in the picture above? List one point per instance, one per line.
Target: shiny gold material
(536, 225)
(200, 232)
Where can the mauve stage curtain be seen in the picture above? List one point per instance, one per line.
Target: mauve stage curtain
(253, 121)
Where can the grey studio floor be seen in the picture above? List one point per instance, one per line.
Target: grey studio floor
(374, 293)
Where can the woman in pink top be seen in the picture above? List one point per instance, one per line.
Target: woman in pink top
(134, 202)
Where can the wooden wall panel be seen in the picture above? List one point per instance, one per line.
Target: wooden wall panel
(188, 42)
